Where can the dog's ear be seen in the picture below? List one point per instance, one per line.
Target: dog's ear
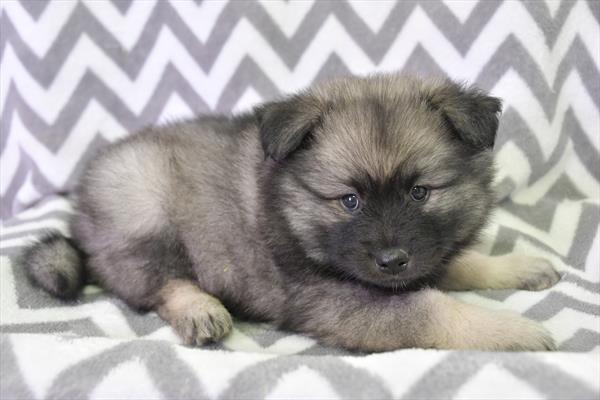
(470, 113)
(285, 124)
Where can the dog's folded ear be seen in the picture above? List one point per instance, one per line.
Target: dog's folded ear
(469, 112)
(284, 125)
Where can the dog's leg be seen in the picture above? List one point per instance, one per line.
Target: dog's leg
(472, 270)
(156, 274)
(195, 315)
(154, 283)
(352, 316)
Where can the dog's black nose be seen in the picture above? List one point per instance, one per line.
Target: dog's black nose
(392, 261)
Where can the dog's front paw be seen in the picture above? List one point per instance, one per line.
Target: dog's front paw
(524, 334)
(197, 317)
(503, 331)
(458, 325)
(537, 274)
(202, 322)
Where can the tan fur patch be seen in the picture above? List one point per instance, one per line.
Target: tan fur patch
(457, 325)
(473, 270)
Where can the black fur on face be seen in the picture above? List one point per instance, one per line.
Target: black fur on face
(378, 145)
(391, 219)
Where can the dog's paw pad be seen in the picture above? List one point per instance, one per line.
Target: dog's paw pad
(540, 275)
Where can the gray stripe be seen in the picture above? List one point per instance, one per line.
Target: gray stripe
(82, 327)
(506, 238)
(555, 302)
(586, 284)
(594, 6)
(12, 384)
(122, 5)
(456, 369)
(348, 381)
(35, 8)
(177, 381)
(550, 26)
(582, 340)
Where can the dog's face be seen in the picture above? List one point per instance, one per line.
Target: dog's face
(382, 179)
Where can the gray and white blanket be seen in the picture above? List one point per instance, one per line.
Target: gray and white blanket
(78, 74)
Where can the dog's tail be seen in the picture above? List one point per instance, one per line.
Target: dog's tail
(56, 264)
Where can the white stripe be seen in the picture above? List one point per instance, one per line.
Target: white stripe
(55, 205)
(563, 325)
(59, 224)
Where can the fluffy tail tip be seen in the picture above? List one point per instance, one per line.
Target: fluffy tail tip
(55, 264)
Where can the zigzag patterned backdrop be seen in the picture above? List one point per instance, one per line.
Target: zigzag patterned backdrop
(76, 75)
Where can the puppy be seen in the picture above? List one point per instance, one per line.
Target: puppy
(335, 212)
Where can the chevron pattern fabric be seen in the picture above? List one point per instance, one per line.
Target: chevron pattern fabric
(76, 75)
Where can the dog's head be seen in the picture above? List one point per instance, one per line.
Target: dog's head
(381, 179)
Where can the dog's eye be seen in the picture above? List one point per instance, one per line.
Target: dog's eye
(419, 193)
(350, 202)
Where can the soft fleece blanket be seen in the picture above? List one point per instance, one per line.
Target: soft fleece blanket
(78, 74)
